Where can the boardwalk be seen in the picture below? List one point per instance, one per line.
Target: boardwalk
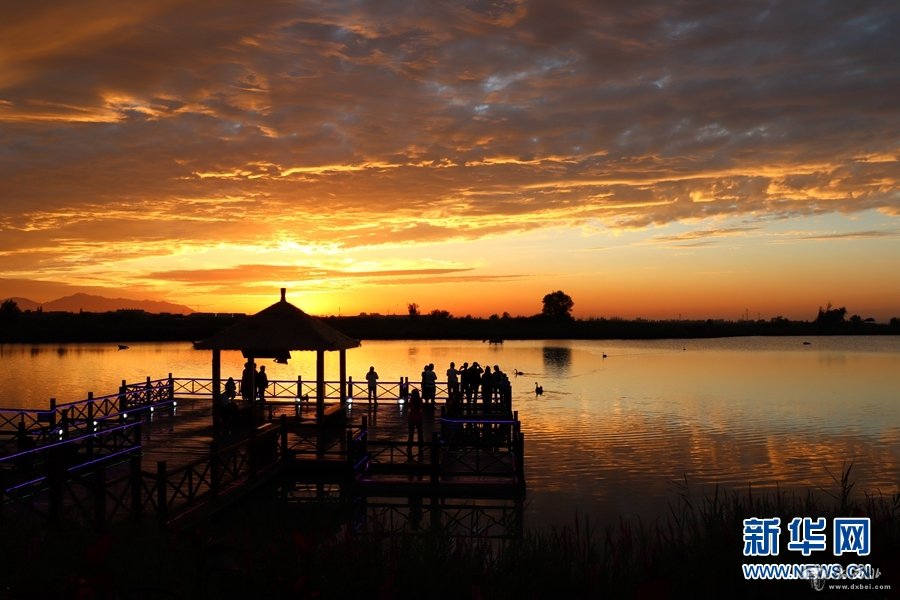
(154, 448)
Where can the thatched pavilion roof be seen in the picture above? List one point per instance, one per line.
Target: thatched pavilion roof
(275, 331)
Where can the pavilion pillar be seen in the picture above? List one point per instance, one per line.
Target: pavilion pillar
(251, 361)
(320, 384)
(343, 359)
(216, 376)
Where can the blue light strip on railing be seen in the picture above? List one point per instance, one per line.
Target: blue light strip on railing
(45, 448)
(103, 458)
(24, 484)
(491, 421)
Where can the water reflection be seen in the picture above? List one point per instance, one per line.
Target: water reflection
(557, 360)
(610, 437)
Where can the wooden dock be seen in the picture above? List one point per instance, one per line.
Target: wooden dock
(155, 448)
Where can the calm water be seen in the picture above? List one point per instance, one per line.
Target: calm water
(609, 437)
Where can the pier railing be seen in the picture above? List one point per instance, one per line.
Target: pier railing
(67, 480)
(172, 494)
(97, 478)
(42, 426)
(465, 451)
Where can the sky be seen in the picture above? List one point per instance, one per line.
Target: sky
(650, 158)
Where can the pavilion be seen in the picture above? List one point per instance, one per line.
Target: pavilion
(273, 333)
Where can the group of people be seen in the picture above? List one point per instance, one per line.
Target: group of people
(467, 381)
(464, 383)
(253, 385)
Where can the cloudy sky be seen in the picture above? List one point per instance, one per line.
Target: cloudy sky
(651, 158)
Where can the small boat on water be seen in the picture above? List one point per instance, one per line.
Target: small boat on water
(122, 347)
(495, 341)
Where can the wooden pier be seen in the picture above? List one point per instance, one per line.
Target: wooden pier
(155, 450)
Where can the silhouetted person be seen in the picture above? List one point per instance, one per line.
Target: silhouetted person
(262, 382)
(452, 381)
(475, 372)
(464, 377)
(372, 378)
(226, 410)
(502, 388)
(230, 392)
(414, 420)
(429, 384)
(487, 386)
(247, 378)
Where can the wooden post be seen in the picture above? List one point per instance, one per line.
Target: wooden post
(136, 480)
(214, 470)
(252, 452)
(99, 496)
(520, 463)
(350, 387)
(55, 485)
(64, 423)
(123, 402)
(162, 507)
(90, 423)
(216, 378)
(342, 354)
(91, 410)
(282, 424)
(171, 388)
(254, 417)
(364, 436)
(320, 385)
(351, 454)
(23, 442)
(435, 459)
(52, 415)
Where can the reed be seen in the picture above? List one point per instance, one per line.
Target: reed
(269, 548)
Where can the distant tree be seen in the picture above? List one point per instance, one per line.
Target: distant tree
(439, 314)
(9, 308)
(558, 305)
(856, 319)
(505, 316)
(413, 309)
(831, 316)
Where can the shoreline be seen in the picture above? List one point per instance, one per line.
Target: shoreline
(138, 326)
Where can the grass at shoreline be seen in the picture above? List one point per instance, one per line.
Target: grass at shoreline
(270, 550)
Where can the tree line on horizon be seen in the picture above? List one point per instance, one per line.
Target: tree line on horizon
(555, 321)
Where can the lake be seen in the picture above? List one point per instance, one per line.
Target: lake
(610, 437)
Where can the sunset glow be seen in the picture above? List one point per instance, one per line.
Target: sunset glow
(711, 160)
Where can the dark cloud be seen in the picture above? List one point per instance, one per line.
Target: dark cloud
(431, 121)
(851, 235)
(284, 272)
(706, 233)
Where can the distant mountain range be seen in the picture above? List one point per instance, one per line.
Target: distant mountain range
(88, 303)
